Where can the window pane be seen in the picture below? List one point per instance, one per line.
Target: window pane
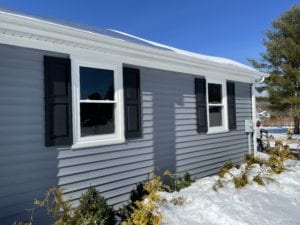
(96, 118)
(215, 116)
(96, 84)
(214, 93)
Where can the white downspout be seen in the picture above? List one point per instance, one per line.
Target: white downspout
(261, 80)
(254, 119)
(249, 143)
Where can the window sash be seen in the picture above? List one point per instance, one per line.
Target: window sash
(101, 139)
(106, 101)
(222, 115)
(100, 127)
(98, 101)
(222, 104)
(210, 95)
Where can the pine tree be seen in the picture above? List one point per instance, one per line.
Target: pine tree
(282, 61)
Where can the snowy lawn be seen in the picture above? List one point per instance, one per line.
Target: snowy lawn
(278, 202)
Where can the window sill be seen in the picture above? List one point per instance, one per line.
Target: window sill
(217, 131)
(97, 143)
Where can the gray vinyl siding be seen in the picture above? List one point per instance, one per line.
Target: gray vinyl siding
(169, 141)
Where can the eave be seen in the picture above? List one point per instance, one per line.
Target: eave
(29, 32)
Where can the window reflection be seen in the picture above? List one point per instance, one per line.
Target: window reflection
(214, 93)
(96, 84)
(215, 116)
(96, 119)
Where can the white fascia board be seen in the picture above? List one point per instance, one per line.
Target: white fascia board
(106, 56)
(33, 33)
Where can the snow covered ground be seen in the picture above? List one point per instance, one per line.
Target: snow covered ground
(276, 203)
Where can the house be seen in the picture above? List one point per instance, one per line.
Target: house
(81, 106)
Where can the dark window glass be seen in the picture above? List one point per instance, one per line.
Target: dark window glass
(96, 84)
(215, 93)
(215, 116)
(96, 119)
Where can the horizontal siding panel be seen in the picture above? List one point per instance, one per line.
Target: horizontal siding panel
(72, 178)
(79, 185)
(28, 157)
(103, 157)
(223, 159)
(107, 164)
(12, 210)
(197, 137)
(113, 149)
(207, 142)
(208, 157)
(196, 151)
(185, 122)
(22, 178)
(30, 191)
(29, 167)
(18, 138)
(186, 110)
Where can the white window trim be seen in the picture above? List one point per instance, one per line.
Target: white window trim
(105, 139)
(224, 127)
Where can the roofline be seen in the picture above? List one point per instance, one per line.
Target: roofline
(14, 28)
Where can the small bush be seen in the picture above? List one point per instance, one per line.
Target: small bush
(225, 168)
(281, 151)
(137, 194)
(93, 209)
(57, 207)
(177, 201)
(241, 181)
(183, 182)
(251, 159)
(276, 164)
(146, 211)
(259, 180)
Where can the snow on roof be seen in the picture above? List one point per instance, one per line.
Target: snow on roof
(145, 42)
(131, 39)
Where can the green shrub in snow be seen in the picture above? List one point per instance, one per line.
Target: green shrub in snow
(259, 180)
(93, 210)
(241, 181)
(137, 194)
(183, 182)
(251, 159)
(225, 168)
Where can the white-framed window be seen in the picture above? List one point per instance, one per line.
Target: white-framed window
(216, 106)
(97, 103)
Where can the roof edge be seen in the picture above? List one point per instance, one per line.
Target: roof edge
(36, 26)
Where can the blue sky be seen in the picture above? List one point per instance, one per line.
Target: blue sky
(227, 28)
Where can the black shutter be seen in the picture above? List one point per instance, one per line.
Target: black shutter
(231, 105)
(58, 109)
(200, 92)
(132, 102)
